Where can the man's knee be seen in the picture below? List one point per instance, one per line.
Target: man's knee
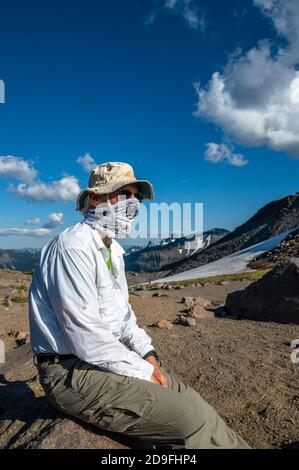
(194, 420)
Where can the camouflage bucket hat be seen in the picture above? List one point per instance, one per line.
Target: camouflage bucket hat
(108, 177)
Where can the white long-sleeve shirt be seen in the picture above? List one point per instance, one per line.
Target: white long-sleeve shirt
(76, 306)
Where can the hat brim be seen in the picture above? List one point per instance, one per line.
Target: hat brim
(145, 189)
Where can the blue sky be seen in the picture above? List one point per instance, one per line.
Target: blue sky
(116, 80)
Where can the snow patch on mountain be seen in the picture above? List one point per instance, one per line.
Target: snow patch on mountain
(232, 264)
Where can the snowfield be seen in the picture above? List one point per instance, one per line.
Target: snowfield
(232, 264)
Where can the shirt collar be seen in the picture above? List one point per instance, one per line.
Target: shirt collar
(115, 246)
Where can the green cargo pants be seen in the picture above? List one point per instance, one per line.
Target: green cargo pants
(176, 417)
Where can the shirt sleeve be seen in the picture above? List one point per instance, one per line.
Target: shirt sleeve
(131, 334)
(134, 336)
(73, 294)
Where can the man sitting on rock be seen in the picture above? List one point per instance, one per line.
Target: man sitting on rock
(94, 361)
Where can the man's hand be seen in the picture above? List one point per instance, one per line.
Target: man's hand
(157, 377)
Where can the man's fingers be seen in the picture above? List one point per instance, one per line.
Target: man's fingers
(154, 380)
(161, 378)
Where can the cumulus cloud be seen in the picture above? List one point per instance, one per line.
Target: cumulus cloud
(55, 219)
(17, 168)
(38, 232)
(255, 100)
(186, 9)
(66, 189)
(35, 221)
(87, 162)
(217, 153)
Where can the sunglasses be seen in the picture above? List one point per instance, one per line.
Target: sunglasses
(128, 194)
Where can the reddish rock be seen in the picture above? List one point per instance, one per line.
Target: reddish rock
(164, 324)
(201, 302)
(188, 302)
(200, 312)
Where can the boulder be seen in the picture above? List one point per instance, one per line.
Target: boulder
(200, 312)
(164, 324)
(188, 302)
(274, 297)
(186, 321)
(201, 302)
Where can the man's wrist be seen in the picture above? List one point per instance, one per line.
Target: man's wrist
(153, 354)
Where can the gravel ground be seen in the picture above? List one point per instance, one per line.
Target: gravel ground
(242, 368)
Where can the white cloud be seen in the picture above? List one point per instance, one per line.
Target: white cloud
(218, 153)
(55, 219)
(35, 221)
(66, 189)
(38, 232)
(87, 162)
(255, 100)
(186, 9)
(17, 168)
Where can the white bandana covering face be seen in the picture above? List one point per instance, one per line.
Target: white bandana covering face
(114, 220)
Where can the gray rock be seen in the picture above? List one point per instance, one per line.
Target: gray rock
(186, 321)
(274, 297)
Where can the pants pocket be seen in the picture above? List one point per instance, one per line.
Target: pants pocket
(128, 406)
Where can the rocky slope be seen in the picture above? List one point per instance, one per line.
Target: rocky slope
(271, 220)
(288, 248)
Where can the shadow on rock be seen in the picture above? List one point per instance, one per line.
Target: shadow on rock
(27, 421)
